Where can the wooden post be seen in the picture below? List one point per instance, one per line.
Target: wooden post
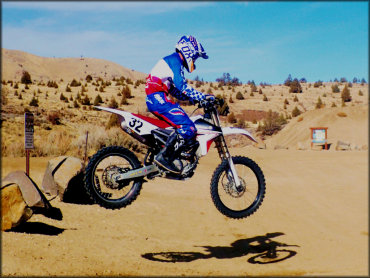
(87, 136)
(28, 162)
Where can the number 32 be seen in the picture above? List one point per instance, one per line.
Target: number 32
(136, 124)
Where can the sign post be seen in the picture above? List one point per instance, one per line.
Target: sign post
(28, 138)
(319, 135)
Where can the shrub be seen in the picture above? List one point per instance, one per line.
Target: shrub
(253, 87)
(75, 104)
(88, 78)
(342, 114)
(224, 109)
(333, 104)
(271, 124)
(52, 84)
(319, 104)
(239, 96)
(124, 100)
(296, 112)
(126, 91)
(317, 84)
(113, 103)
(260, 91)
(75, 83)
(98, 100)
(62, 97)
(54, 117)
(112, 122)
(231, 118)
(26, 78)
(241, 123)
(85, 101)
(68, 89)
(295, 86)
(335, 88)
(34, 102)
(346, 95)
(265, 98)
(295, 99)
(360, 93)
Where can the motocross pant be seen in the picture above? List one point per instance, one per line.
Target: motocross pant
(172, 113)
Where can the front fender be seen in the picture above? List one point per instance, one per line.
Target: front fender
(234, 130)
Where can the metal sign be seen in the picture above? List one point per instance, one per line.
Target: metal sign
(28, 130)
(319, 135)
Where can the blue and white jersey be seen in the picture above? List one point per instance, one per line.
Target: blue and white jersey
(171, 72)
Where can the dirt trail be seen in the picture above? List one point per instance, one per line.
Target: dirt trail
(315, 200)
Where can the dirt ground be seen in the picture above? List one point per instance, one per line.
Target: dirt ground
(316, 209)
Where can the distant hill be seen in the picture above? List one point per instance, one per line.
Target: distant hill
(349, 124)
(14, 62)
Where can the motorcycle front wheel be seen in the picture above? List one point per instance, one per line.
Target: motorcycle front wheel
(238, 202)
(100, 174)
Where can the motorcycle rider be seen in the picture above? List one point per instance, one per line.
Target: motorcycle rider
(167, 77)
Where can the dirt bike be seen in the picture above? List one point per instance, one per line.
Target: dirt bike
(114, 175)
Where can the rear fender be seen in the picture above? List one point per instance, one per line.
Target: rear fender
(130, 123)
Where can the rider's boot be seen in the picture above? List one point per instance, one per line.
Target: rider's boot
(167, 155)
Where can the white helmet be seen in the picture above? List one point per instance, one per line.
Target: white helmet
(190, 49)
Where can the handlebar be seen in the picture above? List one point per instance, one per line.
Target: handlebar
(211, 102)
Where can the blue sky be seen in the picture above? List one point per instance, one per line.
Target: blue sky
(260, 41)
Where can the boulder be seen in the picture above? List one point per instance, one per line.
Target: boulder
(29, 189)
(14, 209)
(301, 146)
(59, 173)
(343, 146)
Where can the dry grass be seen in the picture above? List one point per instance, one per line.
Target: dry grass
(342, 114)
(60, 127)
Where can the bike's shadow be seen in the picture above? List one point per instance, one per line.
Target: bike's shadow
(266, 250)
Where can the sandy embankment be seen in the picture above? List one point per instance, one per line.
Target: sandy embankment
(317, 200)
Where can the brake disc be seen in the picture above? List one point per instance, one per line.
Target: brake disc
(232, 190)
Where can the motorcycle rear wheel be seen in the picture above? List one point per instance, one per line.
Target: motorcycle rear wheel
(245, 201)
(99, 180)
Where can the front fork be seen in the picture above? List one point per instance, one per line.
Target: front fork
(223, 152)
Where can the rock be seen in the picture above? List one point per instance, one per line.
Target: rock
(343, 146)
(14, 209)
(301, 146)
(58, 174)
(30, 192)
(316, 147)
(280, 147)
(48, 186)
